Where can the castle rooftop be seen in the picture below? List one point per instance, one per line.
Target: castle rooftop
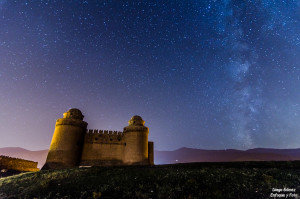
(136, 121)
(74, 113)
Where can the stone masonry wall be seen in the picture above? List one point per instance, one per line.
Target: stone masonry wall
(102, 147)
(17, 164)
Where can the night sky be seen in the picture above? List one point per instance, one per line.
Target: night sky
(210, 74)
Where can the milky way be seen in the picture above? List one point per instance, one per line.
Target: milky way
(202, 74)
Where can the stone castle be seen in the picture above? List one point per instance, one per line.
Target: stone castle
(73, 145)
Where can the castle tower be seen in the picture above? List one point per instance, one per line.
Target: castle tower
(136, 139)
(66, 145)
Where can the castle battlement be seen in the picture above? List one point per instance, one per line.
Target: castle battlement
(96, 131)
(12, 158)
(104, 136)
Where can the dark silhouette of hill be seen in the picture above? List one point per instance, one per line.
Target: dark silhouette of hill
(182, 155)
(290, 152)
(12, 150)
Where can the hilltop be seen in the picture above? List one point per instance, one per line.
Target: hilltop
(198, 180)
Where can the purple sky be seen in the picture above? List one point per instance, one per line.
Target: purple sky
(202, 74)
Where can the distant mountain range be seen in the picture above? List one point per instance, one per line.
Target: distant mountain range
(182, 155)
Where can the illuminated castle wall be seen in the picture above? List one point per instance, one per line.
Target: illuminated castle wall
(17, 164)
(73, 145)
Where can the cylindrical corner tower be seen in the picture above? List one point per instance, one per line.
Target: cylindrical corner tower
(136, 138)
(66, 145)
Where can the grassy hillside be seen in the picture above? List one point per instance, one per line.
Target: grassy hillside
(194, 180)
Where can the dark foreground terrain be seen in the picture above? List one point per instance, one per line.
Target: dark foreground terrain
(194, 180)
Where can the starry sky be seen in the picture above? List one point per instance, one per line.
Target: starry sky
(209, 74)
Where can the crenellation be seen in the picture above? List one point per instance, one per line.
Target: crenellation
(103, 132)
(13, 158)
(104, 136)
